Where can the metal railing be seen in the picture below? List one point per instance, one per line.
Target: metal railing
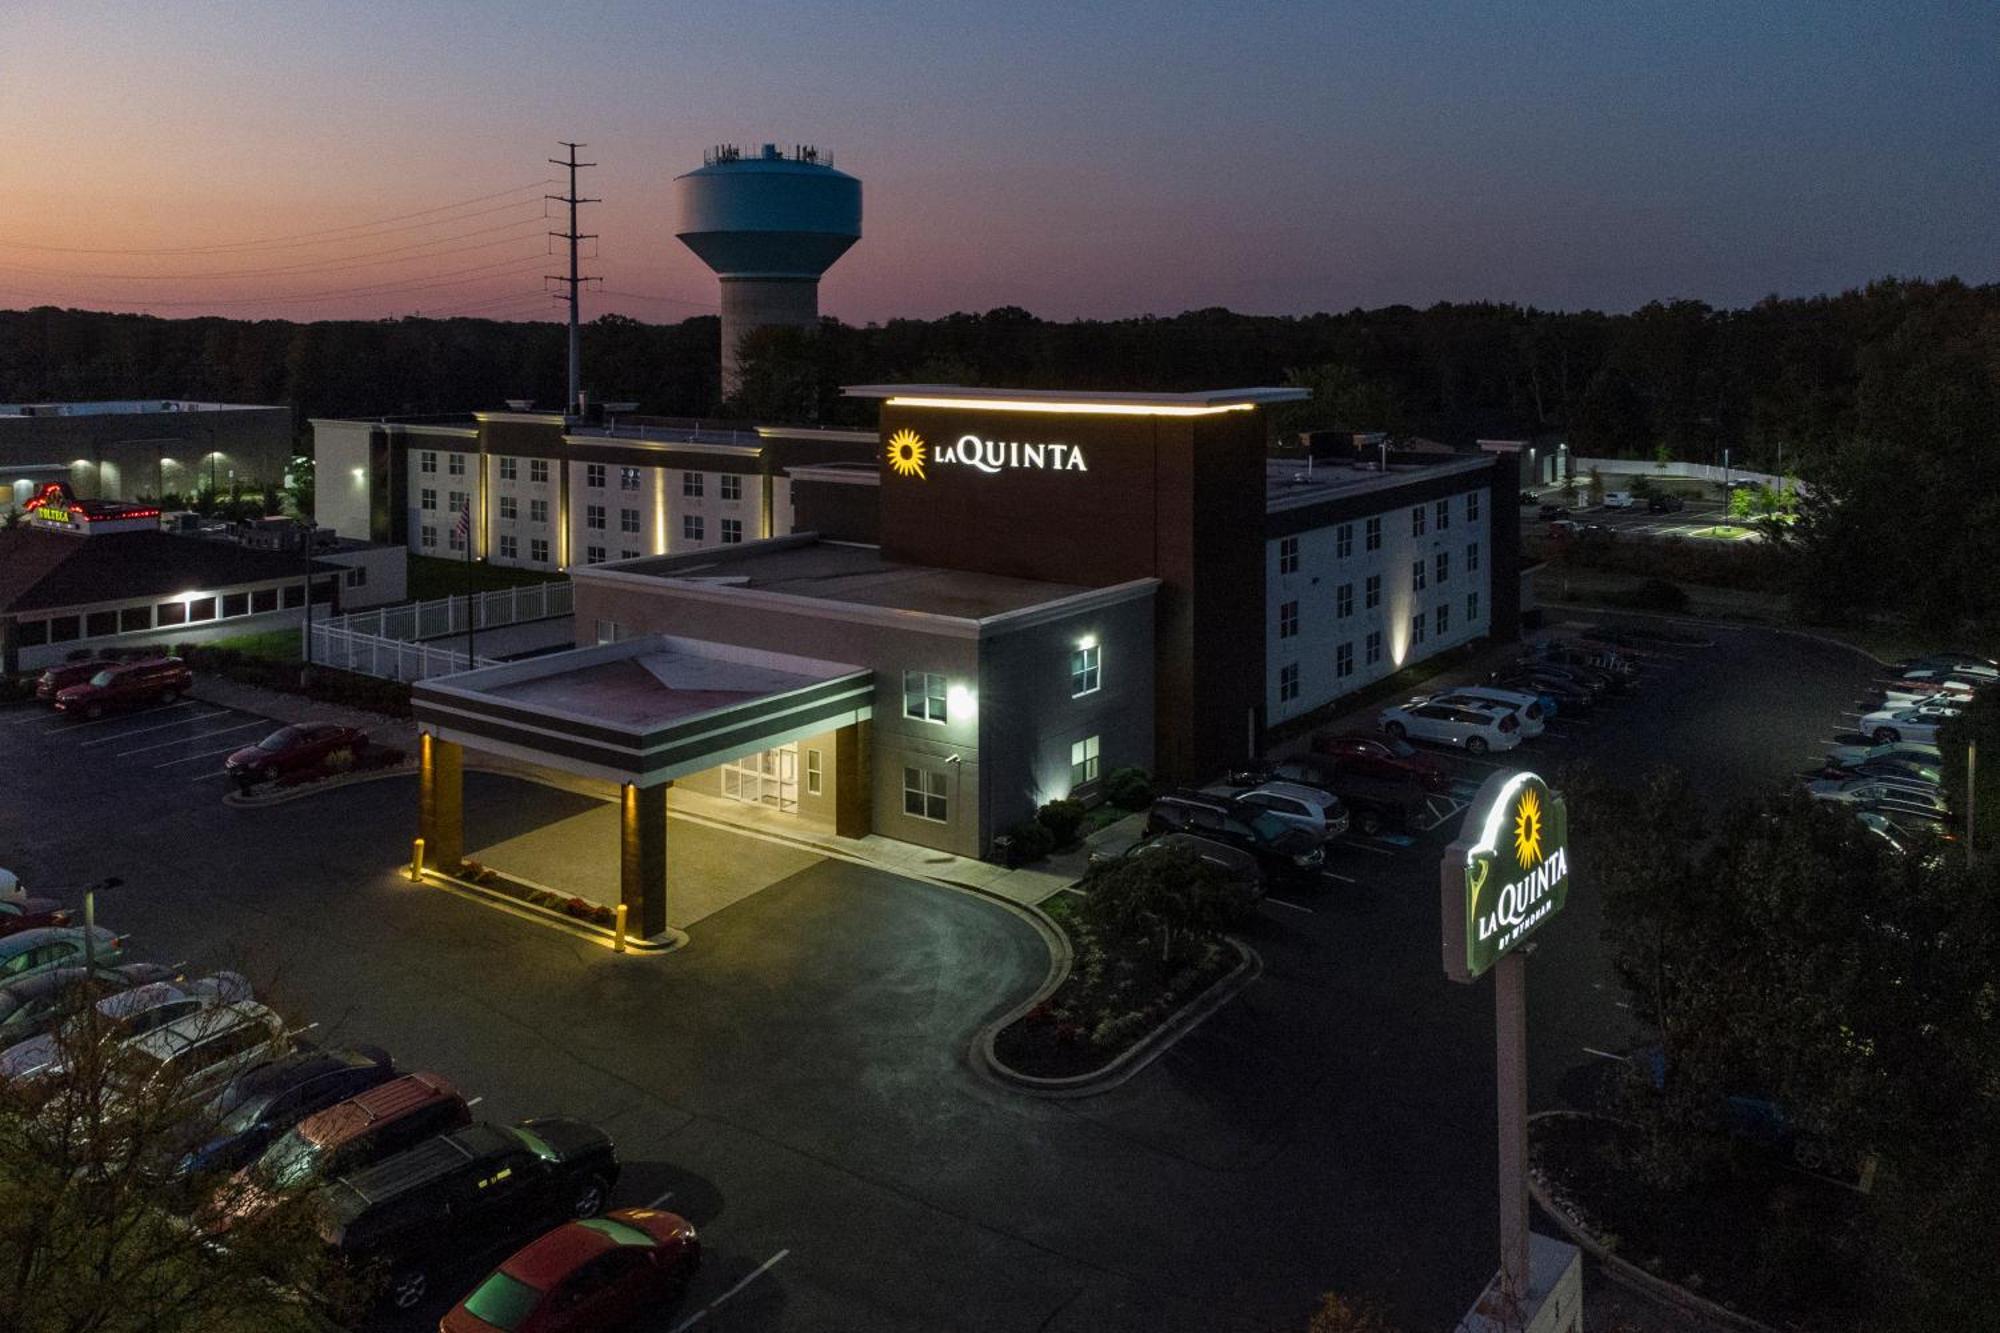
(416, 621)
(391, 659)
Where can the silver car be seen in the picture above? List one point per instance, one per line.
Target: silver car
(1318, 812)
(123, 1018)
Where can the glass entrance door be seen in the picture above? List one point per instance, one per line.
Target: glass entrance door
(769, 778)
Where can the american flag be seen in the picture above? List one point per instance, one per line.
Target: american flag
(463, 528)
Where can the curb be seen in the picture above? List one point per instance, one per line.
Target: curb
(1134, 1058)
(1624, 1271)
(666, 943)
(320, 788)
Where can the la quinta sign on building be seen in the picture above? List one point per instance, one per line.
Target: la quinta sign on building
(910, 454)
(1507, 874)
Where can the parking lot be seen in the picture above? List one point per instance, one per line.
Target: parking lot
(797, 1081)
(1701, 512)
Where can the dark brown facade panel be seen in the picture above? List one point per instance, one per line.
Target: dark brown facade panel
(842, 511)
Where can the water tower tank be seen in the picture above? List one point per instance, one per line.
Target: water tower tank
(769, 224)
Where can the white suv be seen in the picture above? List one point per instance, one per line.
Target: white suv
(1319, 813)
(1474, 730)
(1533, 723)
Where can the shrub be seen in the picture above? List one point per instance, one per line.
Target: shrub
(1062, 819)
(1119, 1030)
(1658, 595)
(1032, 840)
(1129, 788)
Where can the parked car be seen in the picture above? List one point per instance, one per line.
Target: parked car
(191, 1058)
(45, 948)
(1593, 532)
(1661, 503)
(1552, 511)
(127, 685)
(1282, 849)
(589, 1275)
(1918, 722)
(1957, 680)
(1313, 809)
(1381, 755)
(32, 1005)
(1851, 756)
(1528, 498)
(18, 914)
(1534, 715)
(294, 749)
(1569, 695)
(1619, 500)
(1877, 794)
(1596, 683)
(1604, 659)
(1474, 730)
(263, 1102)
(465, 1194)
(122, 1017)
(1903, 693)
(1960, 663)
(55, 679)
(1232, 863)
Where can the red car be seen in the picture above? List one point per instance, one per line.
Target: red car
(59, 678)
(1382, 756)
(126, 685)
(28, 913)
(584, 1276)
(290, 749)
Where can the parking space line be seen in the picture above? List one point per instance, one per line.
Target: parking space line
(218, 773)
(161, 726)
(1367, 847)
(183, 740)
(706, 1310)
(1296, 907)
(1344, 879)
(1607, 1055)
(662, 1199)
(205, 754)
(62, 725)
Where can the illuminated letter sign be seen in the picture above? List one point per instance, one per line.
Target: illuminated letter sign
(908, 455)
(1506, 875)
(52, 504)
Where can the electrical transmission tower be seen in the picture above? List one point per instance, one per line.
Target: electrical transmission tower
(574, 403)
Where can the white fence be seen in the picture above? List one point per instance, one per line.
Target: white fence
(392, 659)
(392, 641)
(1632, 467)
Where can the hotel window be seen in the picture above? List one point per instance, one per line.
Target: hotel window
(35, 633)
(1472, 507)
(628, 520)
(691, 485)
(1288, 620)
(262, 600)
(429, 536)
(1343, 541)
(538, 470)
(609, 631)
(176, 613)
(510, 547)
(593, 476)
(237, 603)
(1372, 534)
(135, 618)
(1443, 618)
(1443, 514)
(1343, 601)
(357, 577)
(593, 517)
(1372, 593)
(1343, 661)
(1083, 671)
(1417, 628)
(454, 464)
(510, 509)
(427, 498)
(1417, 521)
(538, 511)
(1471, 607)
(457, 540)
(732, 486)
(691, 527)
(1472, 558)
(1443, 566)
(98, 624)
(427, 461)
(923, 696)
(813, 779)
(628, 479)
(1288, 682)
(628, 555)
(510, 469)
(1374, 647)
(201, 608)
(593, 555)
(295, 597)
(538, 550)
(1288, 555)
(457, 500)
(732, 531)
(1083, 762)
(1417, 575)
(63, 629)
(924, 794)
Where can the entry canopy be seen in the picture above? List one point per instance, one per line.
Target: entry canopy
(645, 710)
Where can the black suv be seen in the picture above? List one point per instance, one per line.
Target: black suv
(1665, 504)
(464, 1194)
(1282, 849)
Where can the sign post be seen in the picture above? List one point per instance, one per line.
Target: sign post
(1504, 877)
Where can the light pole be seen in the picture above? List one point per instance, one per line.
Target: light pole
(90, 924)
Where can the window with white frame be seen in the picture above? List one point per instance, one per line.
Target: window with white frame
(732, 531)
(1472, 506)
(730, 486)
(457, 499)
(1372, 592)
(510, 546)
(923, 696)
(429, 536)
(1417, 628)
(510, 469)
(1372, 534)
(538, 550)
(628, 555)
(593, 476)
(1443, 514)
(1083, 670)
(691, 485)
(1443, 618)
(538, 470)
(692, 528)
(1472, 557)
(1443, 562)
(924, 792)
(1343, 601)
(454, 464)
(1343, 541)
(593, 517)
(1288, 682)
(593, 555)
(456, 540)
(1471, 607)
(1288, 619)
(1288, 555)
(538, 511)
(427, 498)
(628, 520)
(510, 509)
(1343, 661)
(609, 631)
(1374, 646)
(815, 780)
(1417, 575)
(1417, 521)
(1083, 762)
(427, 460)
(628, 479)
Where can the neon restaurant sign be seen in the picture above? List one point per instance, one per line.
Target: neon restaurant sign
(1510, 878)
(910, 455)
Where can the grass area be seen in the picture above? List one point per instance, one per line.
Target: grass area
(277, 645)
(1723, 532)
(433, 576)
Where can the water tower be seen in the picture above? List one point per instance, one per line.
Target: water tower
(769, 225)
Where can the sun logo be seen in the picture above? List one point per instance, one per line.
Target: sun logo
(906, 454)
(1528, 829)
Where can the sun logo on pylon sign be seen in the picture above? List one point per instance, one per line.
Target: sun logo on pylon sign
(1528, 829)
(906, 454)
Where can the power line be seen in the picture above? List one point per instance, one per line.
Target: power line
(575, 282)
(480, 271)
(303, 237)
(670, 300)
(343, 263)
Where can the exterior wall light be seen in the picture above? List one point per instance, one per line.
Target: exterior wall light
(960, 702)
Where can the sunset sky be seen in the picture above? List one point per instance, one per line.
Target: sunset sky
(1096, 159)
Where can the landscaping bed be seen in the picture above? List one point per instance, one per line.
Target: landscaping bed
(1118, 992)
(580, 909)
(1769, 1242)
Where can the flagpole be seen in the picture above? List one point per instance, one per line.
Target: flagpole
(465, 520)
